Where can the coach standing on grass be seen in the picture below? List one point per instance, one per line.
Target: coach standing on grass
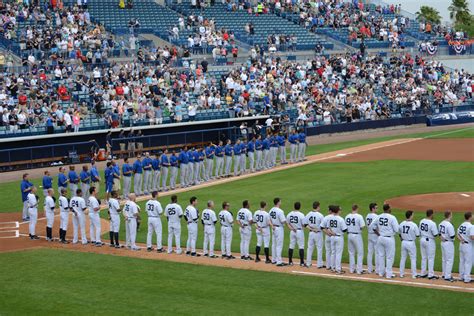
(25, 187)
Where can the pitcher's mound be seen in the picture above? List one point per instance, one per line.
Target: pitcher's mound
(452, 201)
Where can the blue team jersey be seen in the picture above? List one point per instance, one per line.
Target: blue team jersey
(219, 151)
(258, 145)
(85, 177)
(201, 156)
(137, 167)
(146, 163)
(228, 150)
(155, 164)
(183, 157)
(165, 161)
(94, 174)
(109, 175)
(197, 156)
(126, 170)
(73, 178)
(116, 169)
(243, 147)
(190, 156)
(266, 144)
(25, 184)
(47, 182)
(237, 149)
(174, 161)
(273, 142)
(293, 139)
(62, 180)
(281, 141)
(302, 137)
(209, 152)
(250, 147)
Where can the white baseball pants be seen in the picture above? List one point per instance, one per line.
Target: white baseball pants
(226, 240)
(154, 226)
(245, 236)
(263, 236)
(33, 214)
(192, 237)
(114, 223)
(64, 220)
(465, 261)
(79, 222)
(174, 231)
(209, 239)
(337, 246)
(447, 251)
(328, 246)
(297, 238)
(49, 218)
(386, 252)
(94, 221)
(371, 252)
(277, 244)
(315, 240)
(131, 230)
(355, 247)
(428, 251)
(408, 249)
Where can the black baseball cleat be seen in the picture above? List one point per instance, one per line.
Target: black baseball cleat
(111, 245)
(160, 250)
(149, 249)
(303, 265)
(193, 254)
(257, 260)
(206, 255)
(188, 253)
(280, 264)
(213, 256)
(249, 258)
(230, 257)
(34, 237)
(434, 277)
(243, 258)
(223, 256)
(424, 276)
(290, 263)
(268, 261)
(449, 280)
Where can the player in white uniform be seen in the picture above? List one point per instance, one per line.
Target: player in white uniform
(355, 224)
(32, 203)
(130, 212)
(78, 206)
(278, 220)
(173, 213)
(63, 215)
(429, 231)
(447, 235)
(327, 239)
(408, 233)
(372, 238)
(226, 219)
(49, 205)
(191, 215)
(245, 220)
(263, 225)
(338, 227)
(114, 211)
(296, 222)
(154, 212)
(386, 227)
(315, 239)
(465, 235)
(209, 220)
(94, 217)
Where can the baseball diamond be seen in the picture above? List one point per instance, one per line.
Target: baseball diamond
(202, 157)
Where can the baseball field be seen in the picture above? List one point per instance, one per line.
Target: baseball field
(39, 277)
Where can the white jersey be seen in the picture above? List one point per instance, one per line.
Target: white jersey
(173, 212)
(32, 201)
(191, 213)
(261, 219)
(465, 231)
(428, 229)
(114, 206)
(78, 204)
(244, 216)
(153, 208)
(408, 231)
(336, 224)
(371, 220)
(63, 204)
(93, 204)
(208, 217)
(355, 223)
(313, 219)
(446, 231)
(277, 217)
(296, 219)
(49, 204)
(130, 209)
(225, 218)
(387, 225)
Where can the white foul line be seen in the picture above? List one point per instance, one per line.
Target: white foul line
(17, 233)
(465, 195)
(345, 277)
(450, 132)
(17, 224)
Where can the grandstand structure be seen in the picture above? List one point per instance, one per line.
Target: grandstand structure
(106, 60)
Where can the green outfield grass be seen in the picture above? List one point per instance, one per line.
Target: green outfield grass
(42, 282)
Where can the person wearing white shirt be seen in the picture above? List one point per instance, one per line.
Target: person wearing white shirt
(245, 220)
(370, 219)
(32, 202)
(355, 223)
(315, 239)
(263, 225)
(296, 222)
(465, 236)
(408, 233)
(447, 235)
(114, 210)
(191, 215)
(327, 239)
(429, 231)
(278, 219)
(64, 216)
(94, 218)
(130, 212)
(386, 227)
(49, 206)
(78, 206)
(337, 227)
(209, 220)
(226, 219)
(154, 211)
(173, 213)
